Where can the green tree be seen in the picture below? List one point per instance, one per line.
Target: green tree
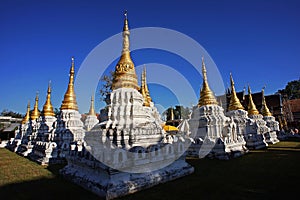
(56, 112)
(7, 112)
(106, 87)
(180, 112)
(167, 113)
(291, 90)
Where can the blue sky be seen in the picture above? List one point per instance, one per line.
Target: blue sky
(258, 41)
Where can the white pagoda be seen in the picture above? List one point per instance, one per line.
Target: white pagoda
(91, 118)
(214, 134)
(14, 143)
(30, 134)
(239, 115)
(69, 127)
(126, 153)
(45, 149)
(271, 136)
(256, 127)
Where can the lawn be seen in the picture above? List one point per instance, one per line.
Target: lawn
(271, 173)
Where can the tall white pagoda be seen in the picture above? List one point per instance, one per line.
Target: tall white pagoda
(126, 153)
(69, 127)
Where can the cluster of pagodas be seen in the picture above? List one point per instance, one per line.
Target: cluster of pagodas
(236, 126)
(39, 130)
(105, 157)
(229, 134)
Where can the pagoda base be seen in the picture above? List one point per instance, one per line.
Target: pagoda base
(14, 144)
(46, 161)
(255, 141)
(256, 130)
(282, 135)
(109, 183)
(4, 143)
(219, 149)
(25, 149)
(271, 137)
(45, 153)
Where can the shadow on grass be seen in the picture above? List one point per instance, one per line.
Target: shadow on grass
(44, 188)
(40, 184)
(55, 168)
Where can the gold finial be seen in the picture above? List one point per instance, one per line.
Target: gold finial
(206, 95)
(69, 102)
(264, 109)
(48, 108)
(35, 113)
(144, 89)
(125, 14)
(244, 93)
(251, 106)
(125, 76)
(235, 103)
(149, 99)
(92, 109)
(172, 114)
(27, 116)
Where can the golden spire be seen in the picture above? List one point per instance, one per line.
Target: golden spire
(144, 89)
(92, 109)
(48, 108)
(69, 102)
(251, 106)
(27, 116)
(125, 76)
(244, 93)
(235, 103)
(172, 114)
(206, 95)
(264, 109)
(35, 113)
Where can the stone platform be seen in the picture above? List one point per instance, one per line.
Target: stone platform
(109, 183)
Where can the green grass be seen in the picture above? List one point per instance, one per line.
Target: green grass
(16, 169)
(271, 173)
(21, 178)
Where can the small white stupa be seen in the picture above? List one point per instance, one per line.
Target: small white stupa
(29, 137)
(256, 127)
(91, 118)
(271, 136)
(45, 149)
(239, 115)
(14, 143)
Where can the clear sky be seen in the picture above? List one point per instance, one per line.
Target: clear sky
(258, 41)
